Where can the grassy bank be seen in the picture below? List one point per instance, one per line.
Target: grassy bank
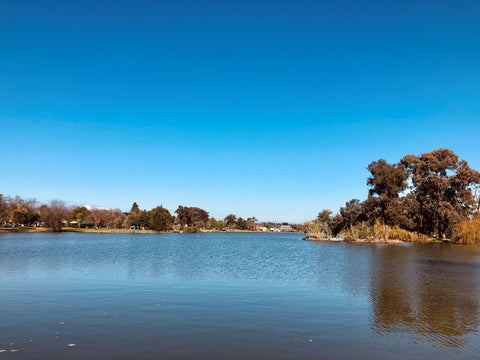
(76, 230)
(384, 233)
(24, 229)
(109, 231)
(376, 233)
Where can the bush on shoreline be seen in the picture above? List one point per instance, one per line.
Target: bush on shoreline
(469, 232)
(191, 230)
(382, 232)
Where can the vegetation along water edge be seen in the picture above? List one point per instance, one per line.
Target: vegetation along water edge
(432, 197)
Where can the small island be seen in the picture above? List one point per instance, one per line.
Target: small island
(433, 197)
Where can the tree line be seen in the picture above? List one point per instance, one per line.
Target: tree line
(18, 212)
(433, 194)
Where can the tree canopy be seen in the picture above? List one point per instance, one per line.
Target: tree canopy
(17, 212)
(430, 194)
(191, 216)
(161, 219)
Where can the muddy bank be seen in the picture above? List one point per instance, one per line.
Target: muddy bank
(359, 241)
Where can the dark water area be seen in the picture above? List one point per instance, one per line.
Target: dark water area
(234, 296)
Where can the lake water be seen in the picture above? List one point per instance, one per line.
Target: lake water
(234, 296)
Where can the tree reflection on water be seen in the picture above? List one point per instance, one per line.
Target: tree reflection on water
(426, 290)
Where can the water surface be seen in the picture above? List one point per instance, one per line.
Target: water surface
(234, 296)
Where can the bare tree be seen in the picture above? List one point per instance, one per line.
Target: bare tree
(54, 214)
(3, 210)
(117, 218)
(99, 217)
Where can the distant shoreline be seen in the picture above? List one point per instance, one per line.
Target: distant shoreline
(24, 230)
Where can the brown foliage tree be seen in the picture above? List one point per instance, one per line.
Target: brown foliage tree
(252, 223)
(231, 220)
(54, 214)
(191, 216)
(99, 217)
(117, 218)
(3, 210)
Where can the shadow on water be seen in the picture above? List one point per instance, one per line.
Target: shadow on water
(427, 291)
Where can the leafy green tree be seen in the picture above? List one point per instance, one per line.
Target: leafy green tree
(442, 187)
(221, 225)
(133, 218)
(325, 224)
(387, 182)
(182, 216)
(135, 208)
(79, 214)
(351, 213)
(324, 216)
(336, 224)
(212, 223)
(323, 221)
(161, 219)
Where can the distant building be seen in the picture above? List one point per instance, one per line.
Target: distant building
(286, 228)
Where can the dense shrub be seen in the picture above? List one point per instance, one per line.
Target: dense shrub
(191, 230)
(468, 232)
(379, 231)
(360, 231)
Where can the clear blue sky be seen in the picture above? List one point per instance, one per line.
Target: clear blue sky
(265, 108)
